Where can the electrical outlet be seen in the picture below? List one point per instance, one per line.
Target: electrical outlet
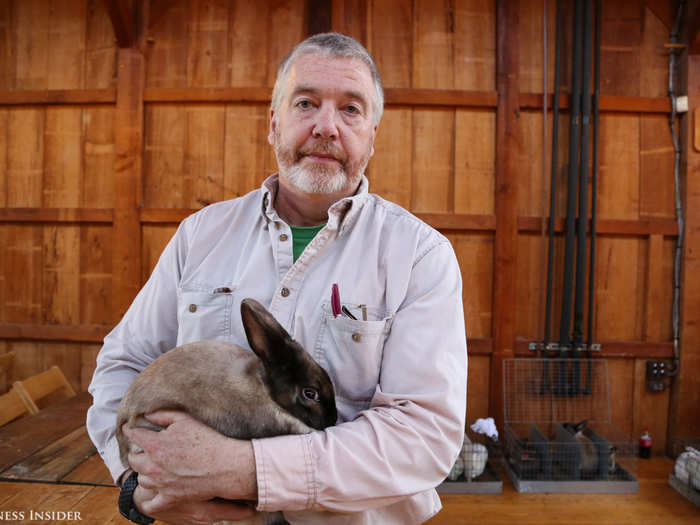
(656, 376)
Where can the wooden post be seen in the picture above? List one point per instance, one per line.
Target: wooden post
(128, 19)
(506, 236)
(685, 392)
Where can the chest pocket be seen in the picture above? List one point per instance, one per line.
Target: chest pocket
(351, 352)
(204, 314)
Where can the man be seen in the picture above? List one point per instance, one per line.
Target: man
(398, 368)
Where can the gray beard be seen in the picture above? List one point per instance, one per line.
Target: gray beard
(320, 180)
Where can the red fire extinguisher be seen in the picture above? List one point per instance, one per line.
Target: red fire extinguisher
(645, 444)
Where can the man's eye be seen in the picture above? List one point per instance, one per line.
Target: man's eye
(304, 104)
(352, 109)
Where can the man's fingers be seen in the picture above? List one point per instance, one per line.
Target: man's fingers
(166, 418)
(218, 510)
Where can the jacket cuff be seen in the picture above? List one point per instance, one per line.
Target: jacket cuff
(285, 470)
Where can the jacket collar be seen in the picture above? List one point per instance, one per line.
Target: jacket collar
(341, 215)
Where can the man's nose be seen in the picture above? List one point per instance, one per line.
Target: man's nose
(325, 126)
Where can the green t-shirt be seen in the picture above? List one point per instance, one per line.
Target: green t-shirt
(301, 237)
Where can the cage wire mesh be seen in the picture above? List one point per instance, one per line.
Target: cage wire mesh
(558, 433)
(685, 476)
(475, 469)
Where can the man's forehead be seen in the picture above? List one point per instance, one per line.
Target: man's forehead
(313, 68)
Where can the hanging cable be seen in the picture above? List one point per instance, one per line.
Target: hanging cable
(672, 65)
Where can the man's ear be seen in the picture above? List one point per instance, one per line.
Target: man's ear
(273, 127)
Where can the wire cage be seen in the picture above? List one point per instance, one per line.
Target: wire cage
(558, 435)
(475, 470)
(685, 477)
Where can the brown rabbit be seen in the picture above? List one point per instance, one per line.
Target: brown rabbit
(278, 389)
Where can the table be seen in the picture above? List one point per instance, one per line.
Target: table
(52, 446)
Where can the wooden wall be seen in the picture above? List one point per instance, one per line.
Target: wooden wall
(115, 124)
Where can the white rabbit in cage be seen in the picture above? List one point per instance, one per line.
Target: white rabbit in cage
(687, 467)
(474, 457)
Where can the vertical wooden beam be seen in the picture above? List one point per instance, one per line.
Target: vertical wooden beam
(123, 17)
(685, 393)
(507, 153)
(126, 252)
(318, 16)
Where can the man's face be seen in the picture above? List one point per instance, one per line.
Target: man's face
(323, 133)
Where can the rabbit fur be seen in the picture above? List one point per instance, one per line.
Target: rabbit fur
(589, 453)
(276, 389)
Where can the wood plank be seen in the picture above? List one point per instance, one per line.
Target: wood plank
(7, 51)
(21, 260)
(4, 138)
(167, 47)
(432, 183)
(685, 394)
(349, 17)
(124, 21)
(63, 162)
(155, 238)
(474, 45)
(55, 461)
(656, 501)
(164, 156)
(476, 252)
(21, 438)
(477, 386)
(611, 348)
(656, 186)
(619, 167)
(207, 45)
(66, 44)
(608, 103)
(653, 55)
(91, 471)
(654, 306)
(390, 170)
(100, 48)
(128, 136)
(59, 215)
(285, 20)
(95, 275)
(621, 38)
(98, 158)
(246, 150)
(25, 157)
(61, 275)
(57, 97)
(475, 146)
(433, 44)
(31, 32)
(391, 43)
(507, 169)
(39, 332)
(203, 182)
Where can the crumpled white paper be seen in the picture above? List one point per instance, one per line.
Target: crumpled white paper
(486, 426)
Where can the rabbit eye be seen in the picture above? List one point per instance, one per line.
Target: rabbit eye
(310, 394)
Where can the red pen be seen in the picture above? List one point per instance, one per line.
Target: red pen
(335, 300)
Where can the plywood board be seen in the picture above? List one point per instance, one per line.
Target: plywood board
(390, 170)
(475, 155)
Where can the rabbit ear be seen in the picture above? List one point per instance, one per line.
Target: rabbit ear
(580, 425)
(265, 335)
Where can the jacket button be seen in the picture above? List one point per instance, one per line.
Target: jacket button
(356, 337)
(193, 308)
(283, 237)
(284, 292)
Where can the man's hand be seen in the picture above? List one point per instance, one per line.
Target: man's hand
(187, 463)
(193, 513)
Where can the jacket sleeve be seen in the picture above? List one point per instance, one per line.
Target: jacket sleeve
(148, 329)
(408, 439)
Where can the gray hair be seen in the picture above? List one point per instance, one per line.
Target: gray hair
(329, 45)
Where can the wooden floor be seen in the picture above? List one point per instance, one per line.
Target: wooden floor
(655, 504)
